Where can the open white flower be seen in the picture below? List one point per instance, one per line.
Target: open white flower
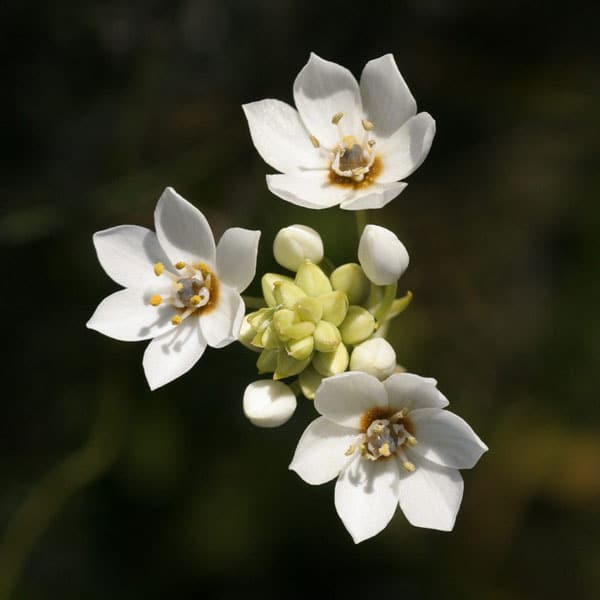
(347, 143)
(387, 442)
(181, 290)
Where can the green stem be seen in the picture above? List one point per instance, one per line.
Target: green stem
(389, 294)
(48, 497)
(254, 302)
(361, 221)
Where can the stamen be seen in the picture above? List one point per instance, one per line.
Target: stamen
(179, 265)
(337, 118)
(408, 466)
(367, 125)
(156, 300)
(159, 269)
(385, 450)
(195, 300)
(176, 320)
(314, 141)
(350, 451)
(411, 440)
(371, 143)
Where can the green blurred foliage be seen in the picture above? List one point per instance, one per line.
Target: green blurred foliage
(106, 103)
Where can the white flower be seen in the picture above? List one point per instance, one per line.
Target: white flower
(295, 244)
(382, 255)
(375, 356)
(180, 290)
(346, 143)
(269, 403)
(387, 443)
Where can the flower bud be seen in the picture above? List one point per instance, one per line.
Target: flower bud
(287, 365)
(358, 325)
(312, 280)
(267, 282)
(269, 403)
(331, 363)
(382, 255)
(267, 361)
(301, 349)
(309, 309)
(247, 332)
(327, 337)
(376, 357)
(287, 294)
(309, 381)
(335, 307)
(296, 243)
(351, 280)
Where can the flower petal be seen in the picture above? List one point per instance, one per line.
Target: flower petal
(322, 89)
(182, 230)
(387, 100)
(221, 325)
(310, 190)
(269, 403)
(376, 195)
(127, 315)
(382, 255)
(236, 257)
(366, 496)
(320, 454)
(431, 495)
(407, 390)
(281, 138)
(446, 439)
(404, 151)
(127, 254)
(174, 353)
(345, 398)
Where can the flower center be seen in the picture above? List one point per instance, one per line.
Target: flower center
(385, 435)
(352, 161)
(194, 289)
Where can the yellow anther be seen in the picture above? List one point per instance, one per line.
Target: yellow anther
(371, 143)
(159, 268)
(156, 300)
(385, 450)
(367, 125)
(314, 141)
(178, 286)
(350, 451)
(411, 440)
(195, 300)
(408, 466)
(337, 118)
(179, 265)
(176, 320)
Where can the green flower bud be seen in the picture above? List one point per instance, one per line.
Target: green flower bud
(260, 319)
(358, 325)
(267, 361)
(247, 333)
(298, 331)
(312, 279)
(282, 319)
(351, 280)
(335, 307)
(269, 339)
(301, 349)
(309, 381)
(267, 282)
(327, 337)
(287, 294)
(331, 363)
(287, 365)
(309, 309)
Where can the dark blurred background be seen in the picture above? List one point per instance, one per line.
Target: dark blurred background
(176, 495)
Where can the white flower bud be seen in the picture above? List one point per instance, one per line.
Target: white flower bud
(382, 255)
(296, 243)
(269, 403)
(376, 357)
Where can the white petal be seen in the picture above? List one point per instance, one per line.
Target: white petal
(127, 253)
(366, 496)
(281, 138)
(345, 398)
(127, 315)
(407, 390)
(310, 190)
(322, 89)
(446, 439)
(236, 257)
(404, 152)
(320, 454)
(174, 353)
(387, 100)
(182, 230)
(382, 255)
(269, 403)
(374, 196)
(221, 325)
(431, 495)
